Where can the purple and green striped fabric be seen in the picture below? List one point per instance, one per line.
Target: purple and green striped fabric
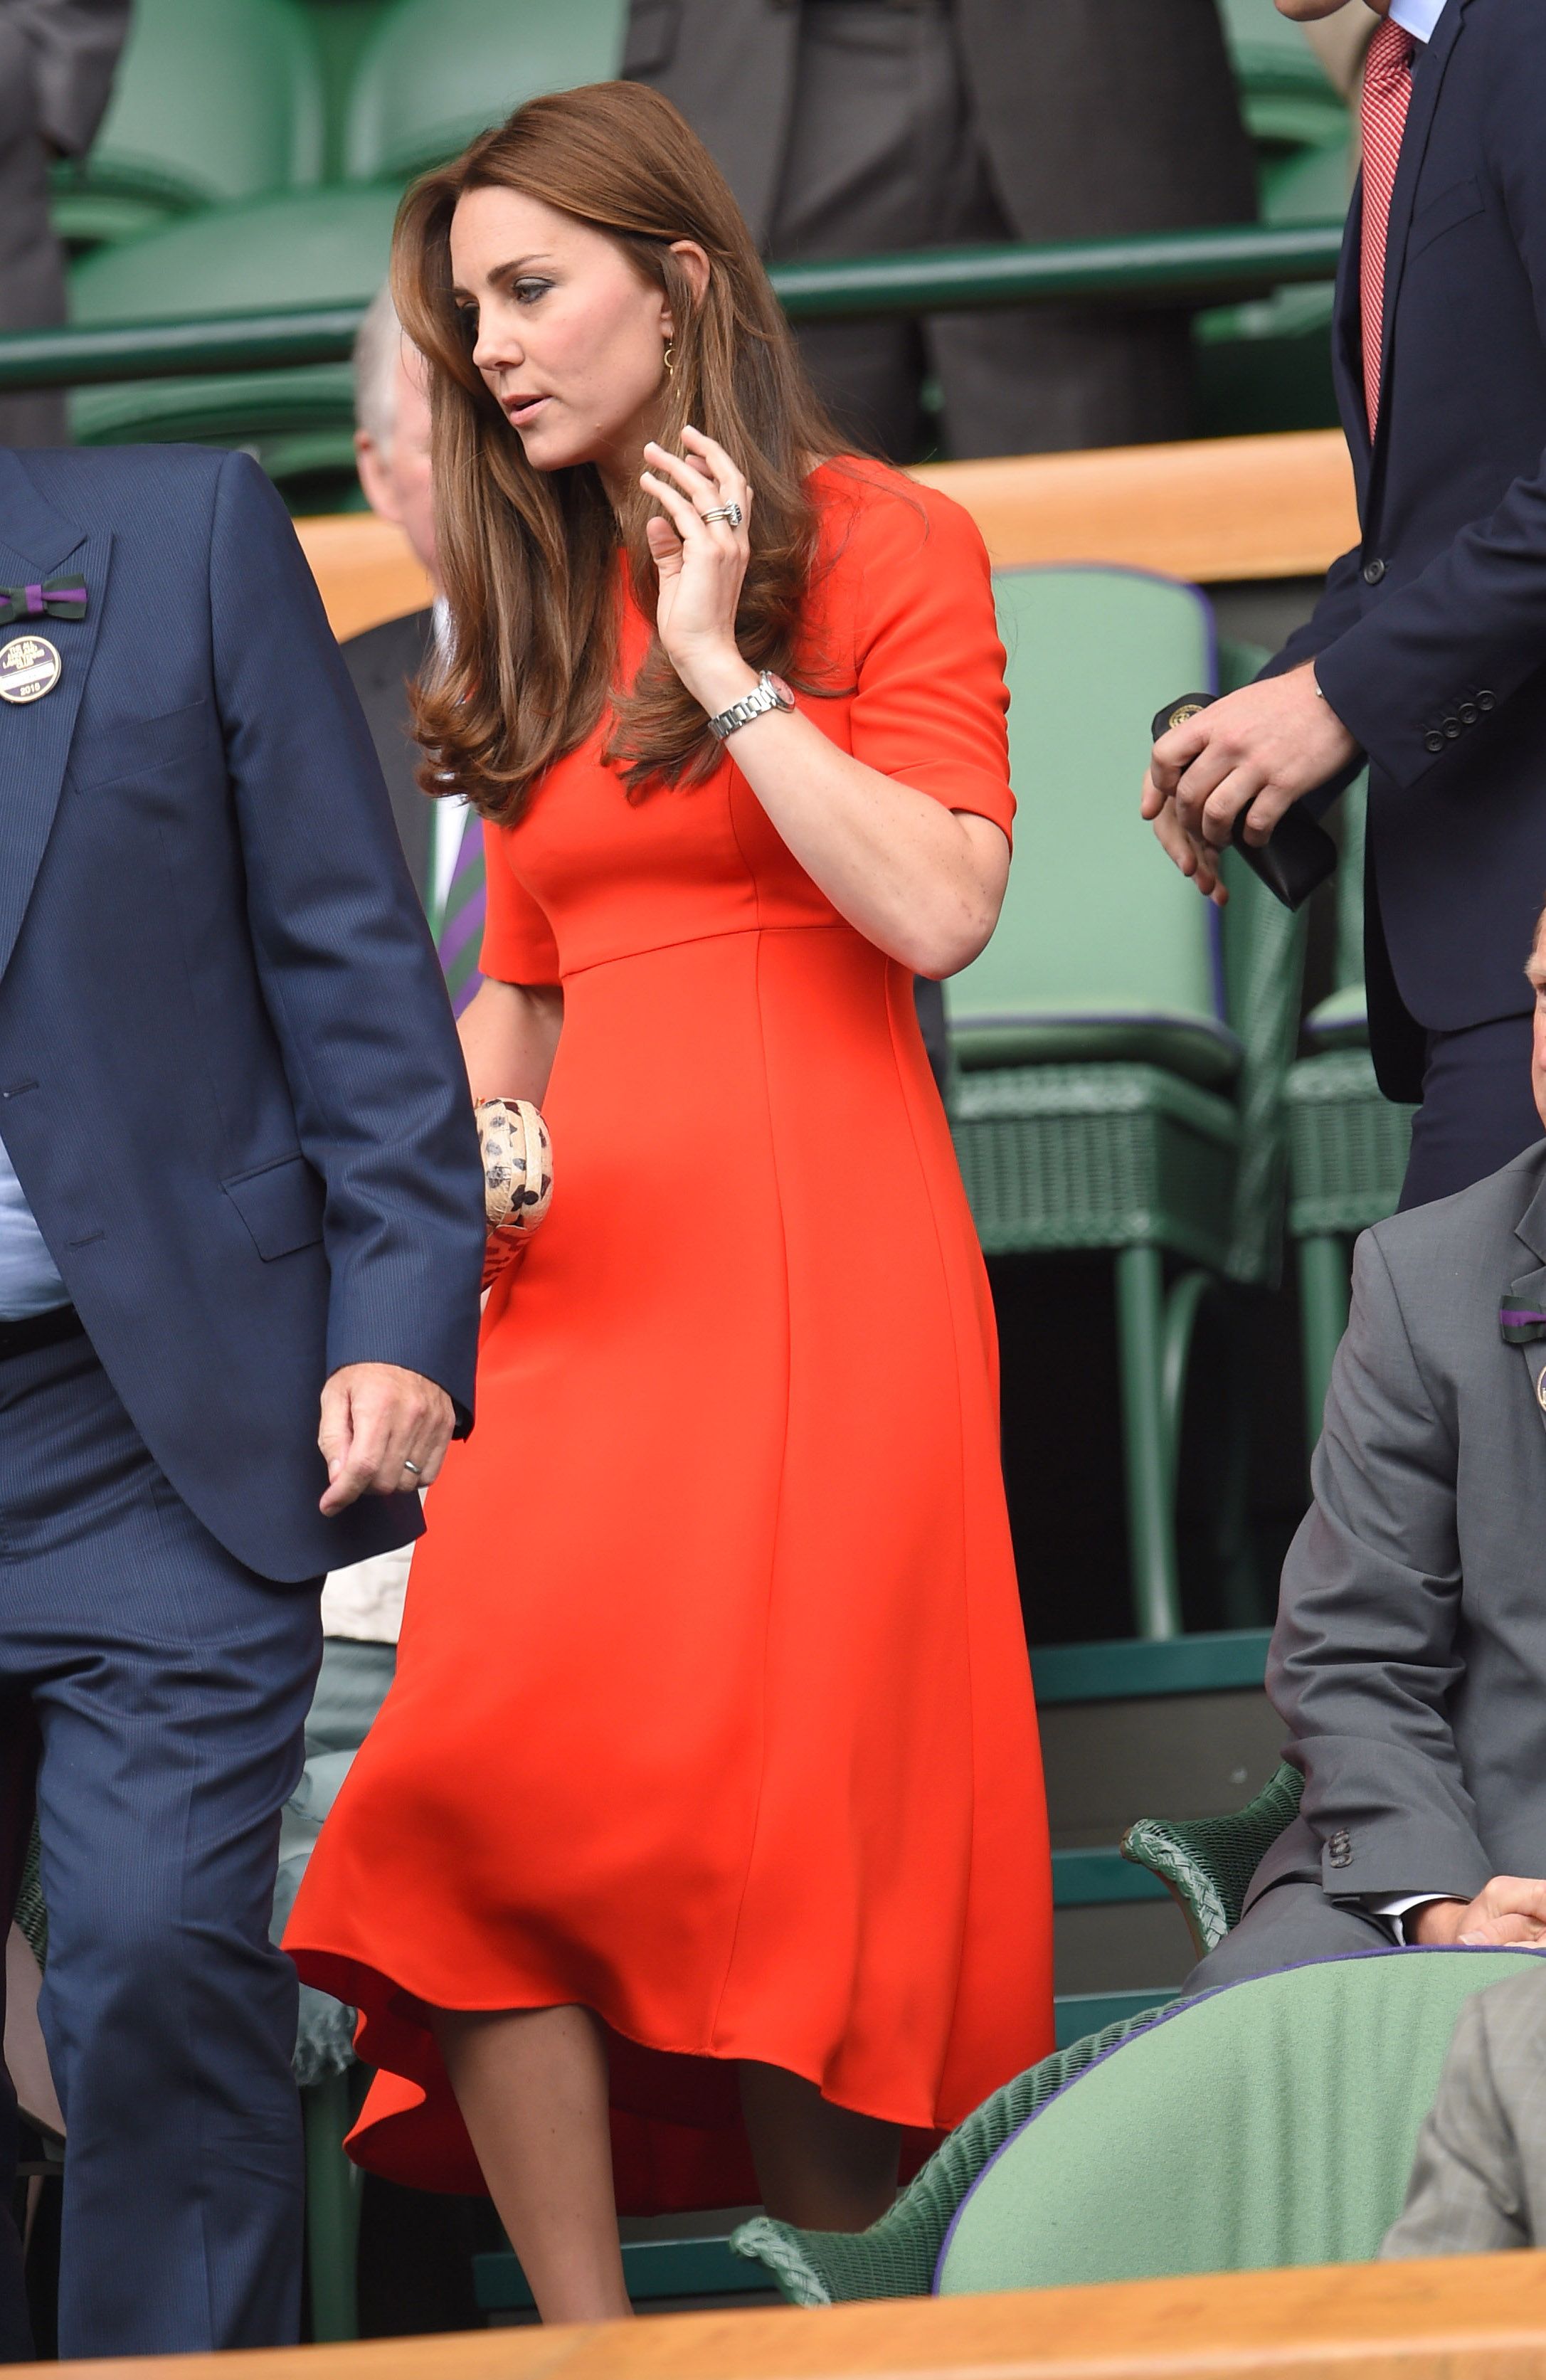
(462, 922)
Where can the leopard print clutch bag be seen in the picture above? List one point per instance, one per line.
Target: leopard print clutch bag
(517, 1164)
(517, 1178)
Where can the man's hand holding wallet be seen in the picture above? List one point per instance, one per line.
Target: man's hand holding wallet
(1255, 751)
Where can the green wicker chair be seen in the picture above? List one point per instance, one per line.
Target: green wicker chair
(435, 73)
(209, 104)
(1206, 1864)
(1118, 1061)
(1091, 2208)
(303, 248)
(1347, 1143)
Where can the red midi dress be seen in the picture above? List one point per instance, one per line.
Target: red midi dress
(712, 1711)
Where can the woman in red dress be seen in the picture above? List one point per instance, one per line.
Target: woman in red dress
(706, 1810)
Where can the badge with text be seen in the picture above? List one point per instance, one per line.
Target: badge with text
(30, 666)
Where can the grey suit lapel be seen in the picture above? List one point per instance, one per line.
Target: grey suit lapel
(1522, 1312)
(35, 736)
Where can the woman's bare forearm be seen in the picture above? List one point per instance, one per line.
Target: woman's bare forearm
(509, 1035)
(923, 882)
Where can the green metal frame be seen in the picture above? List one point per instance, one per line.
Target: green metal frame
(1348, 1152)
(1204, 267)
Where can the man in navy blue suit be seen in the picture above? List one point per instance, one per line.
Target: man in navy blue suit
(241, 1241)
(1426, 651)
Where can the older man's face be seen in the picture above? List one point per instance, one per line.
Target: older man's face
(396, 478)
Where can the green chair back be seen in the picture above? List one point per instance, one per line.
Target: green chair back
(1271, 2123)
(305, 247)
(215, 100)
(437, 72)
(1102, 950)
(1286, 96)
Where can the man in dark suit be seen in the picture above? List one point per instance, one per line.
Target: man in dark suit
(239, 1187)
(57, 62)
(848, 126)
(1426, 651)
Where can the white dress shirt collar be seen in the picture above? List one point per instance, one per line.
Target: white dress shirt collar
(1417, 18)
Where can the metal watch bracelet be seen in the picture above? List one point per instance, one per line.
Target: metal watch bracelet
(769, 693)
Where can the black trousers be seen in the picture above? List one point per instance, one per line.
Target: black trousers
(1478, 1109)
(884, 155)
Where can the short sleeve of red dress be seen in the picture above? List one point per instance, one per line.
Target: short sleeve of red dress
(931, 706)
(518, 946)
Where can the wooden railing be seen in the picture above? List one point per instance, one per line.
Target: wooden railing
(1221, 508)
(1465, 2318)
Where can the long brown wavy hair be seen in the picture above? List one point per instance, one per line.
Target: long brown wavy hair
(528, 557)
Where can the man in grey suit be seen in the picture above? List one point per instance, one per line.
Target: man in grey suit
(1409, 1659)
(1479, 2178)
(848, 126)
(57, 62)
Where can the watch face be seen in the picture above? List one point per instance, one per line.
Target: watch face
(781, 695)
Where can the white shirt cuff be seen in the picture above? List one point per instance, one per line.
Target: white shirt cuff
(1396, 1906)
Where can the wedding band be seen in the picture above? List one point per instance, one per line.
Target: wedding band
(411, 1467)
(731, 513)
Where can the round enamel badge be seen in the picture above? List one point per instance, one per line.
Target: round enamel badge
(30, 666)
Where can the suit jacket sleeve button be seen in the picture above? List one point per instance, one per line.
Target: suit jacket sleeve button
(1451, 728)
(1487, 699)
(1434, 741)
(1372, 573)
(1468, 714)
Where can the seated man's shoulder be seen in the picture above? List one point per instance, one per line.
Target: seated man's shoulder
(1474, 1232)
(123, 487)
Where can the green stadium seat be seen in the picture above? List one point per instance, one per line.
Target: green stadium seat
(210, 103)
(1288, 98)
(436, 72)
(1109, 1093)
(1271, 2123)
(304, 248)
(1266, 365)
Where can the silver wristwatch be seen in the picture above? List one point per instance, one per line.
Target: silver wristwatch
(769, 693)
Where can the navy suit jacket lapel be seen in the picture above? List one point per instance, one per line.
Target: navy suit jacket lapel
(1428, 74)
(35, 540)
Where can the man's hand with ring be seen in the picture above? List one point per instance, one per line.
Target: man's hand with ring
(383, 1429)
(1265, 745)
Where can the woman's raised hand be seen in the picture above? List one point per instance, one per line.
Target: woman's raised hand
(702, 563)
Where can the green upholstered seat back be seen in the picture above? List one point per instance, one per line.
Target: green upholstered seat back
(213, 99)
(1098, 926)
(304, 248)
(1269, 2123)
(436, 72)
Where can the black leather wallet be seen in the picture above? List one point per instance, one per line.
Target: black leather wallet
(1298, 853)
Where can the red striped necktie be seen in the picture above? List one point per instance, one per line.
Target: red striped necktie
(461, 925)
(1387, 92)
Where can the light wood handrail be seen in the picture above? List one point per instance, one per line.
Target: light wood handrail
(1214, 509)
(1463, 2318)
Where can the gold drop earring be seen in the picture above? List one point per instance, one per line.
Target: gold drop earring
(670, 359)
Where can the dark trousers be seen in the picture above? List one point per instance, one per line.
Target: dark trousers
(883, 154)
(1478, 1109)
(1291, 1925)
(164, 1689)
